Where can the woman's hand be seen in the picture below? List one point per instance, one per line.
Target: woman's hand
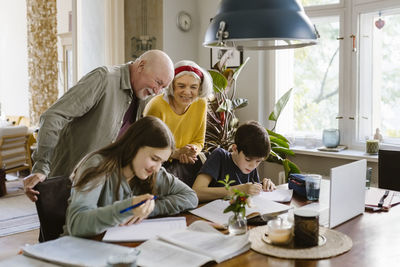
(143, 211)
(268, 185)
(187, 154)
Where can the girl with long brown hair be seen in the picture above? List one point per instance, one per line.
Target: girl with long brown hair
(125, 173)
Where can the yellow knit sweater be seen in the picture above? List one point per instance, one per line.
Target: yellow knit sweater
(188, 128)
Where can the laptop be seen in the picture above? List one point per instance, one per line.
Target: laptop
(346, 195)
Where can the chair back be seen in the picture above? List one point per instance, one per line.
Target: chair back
(14, 149)
(389, 169)
(52, 205)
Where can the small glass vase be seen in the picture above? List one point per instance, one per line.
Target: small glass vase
(237, 224)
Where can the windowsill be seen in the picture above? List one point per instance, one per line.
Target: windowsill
(344, 154)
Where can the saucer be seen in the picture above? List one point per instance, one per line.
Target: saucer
(265, 238)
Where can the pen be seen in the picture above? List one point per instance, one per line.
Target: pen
(136, 205)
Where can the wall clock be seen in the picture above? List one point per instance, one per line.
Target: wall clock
(184, 21)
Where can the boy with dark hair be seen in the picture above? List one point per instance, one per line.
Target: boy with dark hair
(251, 146)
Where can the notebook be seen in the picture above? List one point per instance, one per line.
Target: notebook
(346, 195)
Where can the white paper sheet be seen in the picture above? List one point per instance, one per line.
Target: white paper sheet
(145, 230)
(278, 195)
(74, 251)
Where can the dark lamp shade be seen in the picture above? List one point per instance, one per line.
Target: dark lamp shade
(260, 25)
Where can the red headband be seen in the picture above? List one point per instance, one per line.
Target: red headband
(189, 68)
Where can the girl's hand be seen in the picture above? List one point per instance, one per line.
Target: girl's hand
(268, 185)
(249, 188)
(143, 211)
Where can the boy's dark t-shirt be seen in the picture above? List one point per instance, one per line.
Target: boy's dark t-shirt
(220, 163)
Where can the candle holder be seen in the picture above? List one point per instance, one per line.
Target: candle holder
(331, 138)
(372, 146)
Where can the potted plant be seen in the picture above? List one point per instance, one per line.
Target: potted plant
(222, 122)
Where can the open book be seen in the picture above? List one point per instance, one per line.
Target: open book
(74, 251)
(214, 210)
(198, 244)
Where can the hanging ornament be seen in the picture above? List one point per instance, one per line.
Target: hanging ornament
(380, 22)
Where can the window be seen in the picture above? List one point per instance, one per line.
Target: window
(314, 74)
(379, 79)
(355, 89)
(318, 2)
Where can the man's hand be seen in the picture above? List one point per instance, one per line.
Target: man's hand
(30, 182)
(143, 211)
(268, 185)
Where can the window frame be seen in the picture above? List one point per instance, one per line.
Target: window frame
(359, 8)
(349, 100)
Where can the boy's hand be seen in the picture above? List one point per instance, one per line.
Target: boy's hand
(249, 188)
(268, 185)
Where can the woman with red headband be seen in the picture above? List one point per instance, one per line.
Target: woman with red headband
(183, 107)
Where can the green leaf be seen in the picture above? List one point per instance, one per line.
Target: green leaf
(286, 167)
(229, 208)
(279, 106)
(239, 103)
(219, 81)
(271, 133)
(278, 141)
(282, 150)
(293, 167)
(238, 70)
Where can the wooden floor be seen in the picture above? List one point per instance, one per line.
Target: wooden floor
(11, 245)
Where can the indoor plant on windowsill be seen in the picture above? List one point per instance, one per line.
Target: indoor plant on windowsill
(222, 122)
(237, 223)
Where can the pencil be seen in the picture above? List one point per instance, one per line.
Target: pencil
(136, 205)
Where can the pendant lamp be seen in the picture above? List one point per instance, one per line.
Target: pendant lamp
(260, 25)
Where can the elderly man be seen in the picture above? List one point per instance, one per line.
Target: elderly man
(93, 113)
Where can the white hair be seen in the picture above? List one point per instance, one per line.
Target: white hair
(205, 86)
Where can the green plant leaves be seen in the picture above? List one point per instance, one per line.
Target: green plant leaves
(280, 105)
(271, 133)
(219, 81)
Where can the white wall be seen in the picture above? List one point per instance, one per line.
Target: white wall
(180, 45)
(13, 59)
(91, 40)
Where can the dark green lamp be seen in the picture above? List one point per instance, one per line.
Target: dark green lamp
(260, 25)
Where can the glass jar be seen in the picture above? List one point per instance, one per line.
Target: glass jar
(331, 137)
(237, 224)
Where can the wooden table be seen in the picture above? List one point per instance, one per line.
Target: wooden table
(376, 242)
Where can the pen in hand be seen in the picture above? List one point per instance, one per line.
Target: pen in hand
(136, 205)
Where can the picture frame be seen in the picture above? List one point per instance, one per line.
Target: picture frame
(233, 62)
